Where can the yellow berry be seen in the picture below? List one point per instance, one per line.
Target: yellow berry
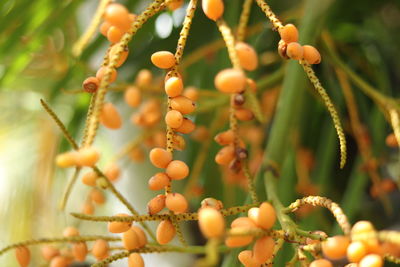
(173, 86)
(321, 263)
(335, 247)
(356, 251)
(211, 222)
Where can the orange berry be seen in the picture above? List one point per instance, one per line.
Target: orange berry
(230, 81)
(104, 28)
(294, 51)
(160, 157)
(362, 227)
(144, 78)
(356, 251)
(135, 260)
(289, 33)
(246, 258)
(187, 126)
(23, 256)
(244, 114)
(213, 9)
(391, 141)
(266, 216)
(176, 202)
(110, 117)
(59, 261)
(247, 56)
(89, 178)
(70, 231)
(212, 203)
(156, 204)
(90, 84)
(211, 222)
(321, 263)
(371, 260)
(48, 252)
(118, 15)
(177, 170)
(158, 181)
(165, 232)
(311, 54)
(87, 156)
(225, 138)
(174, 119)
(88, 208)
(102, 71)
(263, 249)
(238, 240)
(67, 159)
(225, 155)
(335, 247)
(243, 222)
(79, 251)
(173, 86)
(130, 240)
(133, 96)
(192, 93)
(119, 227)
(174, 5)
(163, 59)
(140, 234)
(182, 104)
(112, 171)
(97, 196)
(114, 34)
(100, 248)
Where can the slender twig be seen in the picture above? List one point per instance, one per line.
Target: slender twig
(244, 19)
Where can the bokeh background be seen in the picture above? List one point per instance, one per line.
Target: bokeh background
(357, 37)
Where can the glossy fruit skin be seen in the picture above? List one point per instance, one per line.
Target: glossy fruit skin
(165, 232)
(176, 202)
(160, 157)
(335, 247)
(174, 119)
(119, 227)
(173, 86)
(187, 126)
(311, 55)
(117, 15)
(163, 59)
(159, 181)
(177, 170)
(23, 256)
(294, 51)
(246, 258)
(110, 116)
(182, 104)
(289, 33)
(247, 56)
(135, 260)
(371, 260)
(356, 251)
(156, 204)
(230, 81)
(211, 222)
(267, 216)
(213, 9)
(263, 249)
(321, 263)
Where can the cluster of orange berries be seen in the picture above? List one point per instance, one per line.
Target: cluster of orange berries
(117, 21)
(179, 105)
(212, 225)
(362, 248)
(289, 47)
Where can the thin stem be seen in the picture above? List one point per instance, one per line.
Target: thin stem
(91, 29)
(276, 23)
(58, 240)
(244, 19)
(395, 122)
(69, 188)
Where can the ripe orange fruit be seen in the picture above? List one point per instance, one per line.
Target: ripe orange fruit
(110, 117)
(23, 256)
(211, 222)
(119, 227)
(247, 56)
(213, 9)
(177, 170)
(176, 202)
(289, 33)
(163, 59)
(335, 247)
(165, 232)
(311, 54)
(160, 157)
(230, 81)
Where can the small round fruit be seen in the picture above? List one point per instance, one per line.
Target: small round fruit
(371, 260)
(213, 9)
(335, 247)
(114, 34)
(156, 204)
(294, 51)
(356, 251)
(246, 258)
(177, 170)
(97, 196)
(247, 56)
(225, 155)
(87, 156)
(289, 33)
(311, 54)
(79, 251)
(110, 117)
(211, 222)
(89, 178)
(91, 84)
(182, 104)
(266, 216)
(118, 15)
(163, 59)
(70, 231)
(174, 119)
(160, 157)
(176, 202)
(225, 138)
(112, 171)
(165, 232)
(144, 78)
(23, 256)
(67, 159)
(119, 227)
(133, 96)
(48, 252)
(140, 234)
(100, 248)
(135, 260)
(122, 57)
(173, 86)
(321, 263)
(102, 71)
(187, 126)
(230, 81)
(158, 181)
(263, 249)
(192, 93)
(130, 240)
